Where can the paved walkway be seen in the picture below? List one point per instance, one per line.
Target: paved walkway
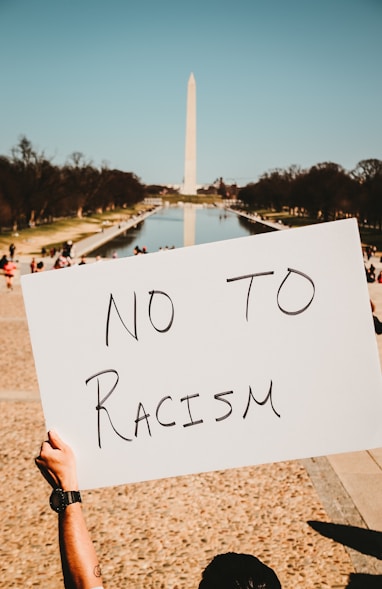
(257, 219)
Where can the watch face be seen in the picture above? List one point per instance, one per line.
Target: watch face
(57, 500)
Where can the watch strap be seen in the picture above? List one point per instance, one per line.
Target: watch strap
(72, 497)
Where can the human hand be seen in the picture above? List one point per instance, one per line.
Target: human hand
(57, 463)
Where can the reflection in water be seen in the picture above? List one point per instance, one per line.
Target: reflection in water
(165, 229)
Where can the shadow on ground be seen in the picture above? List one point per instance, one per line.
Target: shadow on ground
(363, 540)
(361, 581)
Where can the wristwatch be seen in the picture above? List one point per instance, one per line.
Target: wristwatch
(59, 499)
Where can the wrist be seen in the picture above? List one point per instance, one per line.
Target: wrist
(69, 486)
(68, 482)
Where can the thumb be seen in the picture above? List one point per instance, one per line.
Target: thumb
(55, 440)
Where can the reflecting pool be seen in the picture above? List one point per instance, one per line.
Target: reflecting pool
(165, 229)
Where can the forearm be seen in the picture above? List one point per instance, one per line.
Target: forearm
(79, 560)
(57, 464)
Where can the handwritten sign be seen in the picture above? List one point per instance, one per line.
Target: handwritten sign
(240, 352)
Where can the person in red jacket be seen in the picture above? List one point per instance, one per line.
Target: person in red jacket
(9, 273)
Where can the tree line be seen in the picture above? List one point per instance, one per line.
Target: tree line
(326, 192)
(33, 190)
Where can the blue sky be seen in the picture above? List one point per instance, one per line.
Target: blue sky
(279, 82)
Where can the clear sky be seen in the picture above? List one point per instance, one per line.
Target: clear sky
(278, 82)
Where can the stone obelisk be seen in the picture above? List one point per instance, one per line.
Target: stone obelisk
(189, 184)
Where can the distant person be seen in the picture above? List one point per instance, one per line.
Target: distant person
(137, 250)
(80, 565)
(40, 267)
(62, 262)
(377, 322)
(370, 273)
(33, 265)
(12, 249)
(379, 277)
(82, 261)
(9, 273)
(67, 249)
(3, 261)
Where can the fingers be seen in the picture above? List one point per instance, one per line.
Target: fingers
(55, 440)
(42, 460)
(48, 476)
(57, 463)
(49, 451)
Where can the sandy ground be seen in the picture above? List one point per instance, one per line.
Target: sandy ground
(154, 534)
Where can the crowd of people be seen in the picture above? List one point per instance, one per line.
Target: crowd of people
(143, 250)
(64, 258)
(371, 272)
(138, 250)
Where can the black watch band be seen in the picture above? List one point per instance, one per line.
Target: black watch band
(60, 499)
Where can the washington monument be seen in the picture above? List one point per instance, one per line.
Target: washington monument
(189, 183)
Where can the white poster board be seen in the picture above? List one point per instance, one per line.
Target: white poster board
(241, 352)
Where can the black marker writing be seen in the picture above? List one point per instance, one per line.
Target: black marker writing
(112, 304)
(251, 276)
(267, 398)
(133, 330)
(171, 423)
(298, 311)
(219, 397)
(192, 422)
(189, 402)
(290, 272)
(159, 292)
(100, 402)
(145, 416)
